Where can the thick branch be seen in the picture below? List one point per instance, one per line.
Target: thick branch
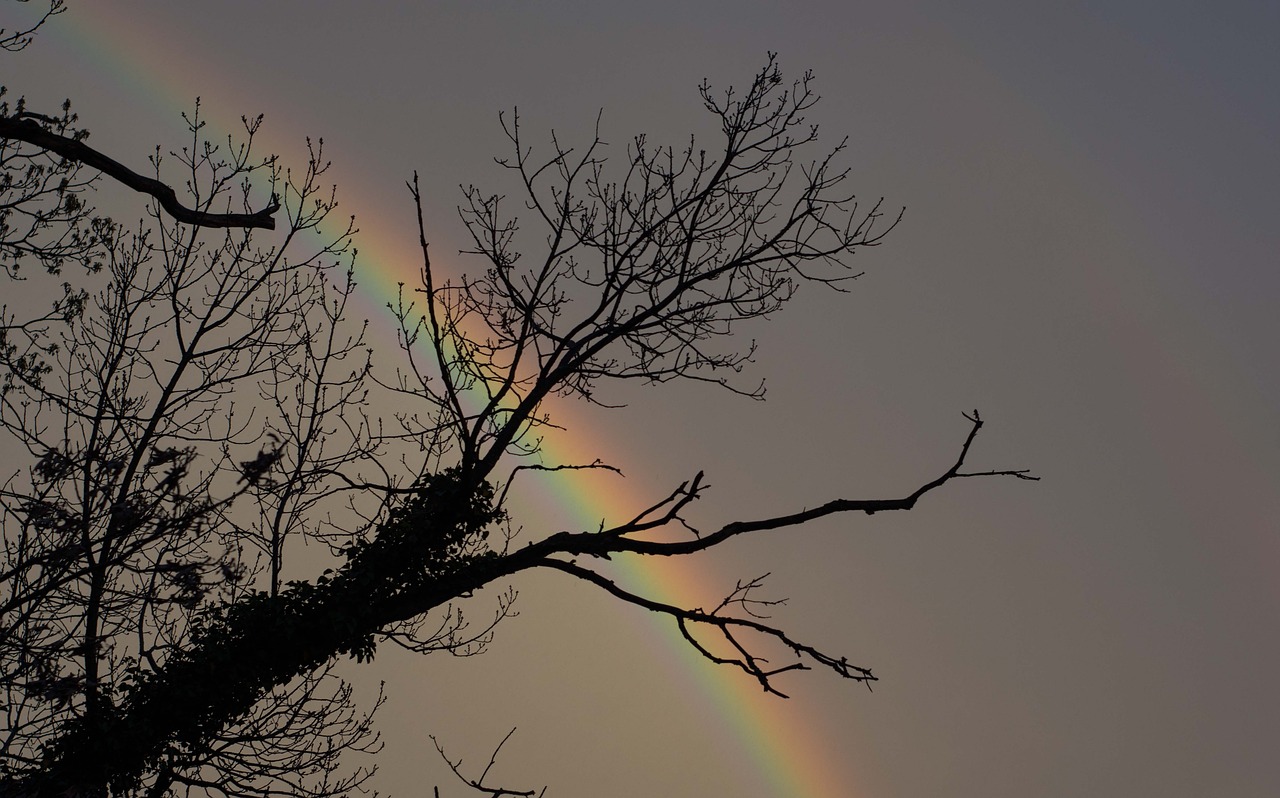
(30, 131)
(218, 680)
(617, 541)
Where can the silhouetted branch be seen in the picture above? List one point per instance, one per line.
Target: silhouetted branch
(17, 40)
(478, 784)
(595, 465)
(727, 625)
(24, 127)
(616, 540)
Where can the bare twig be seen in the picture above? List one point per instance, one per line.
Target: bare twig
(478, 784)
(16, 40)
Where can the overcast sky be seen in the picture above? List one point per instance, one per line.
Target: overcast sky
(1089, 256)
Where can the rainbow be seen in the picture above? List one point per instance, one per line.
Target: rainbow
(792, 756)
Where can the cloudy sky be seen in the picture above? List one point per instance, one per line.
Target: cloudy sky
(1089, 256)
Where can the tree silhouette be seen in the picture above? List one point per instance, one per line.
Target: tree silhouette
(199, 399)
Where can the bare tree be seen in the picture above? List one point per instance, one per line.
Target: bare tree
(157, 403)
(203, 404)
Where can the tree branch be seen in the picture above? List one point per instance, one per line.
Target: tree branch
(28, 130)
(15, 41)
(748, 662)
(616, 541)
(478, 784)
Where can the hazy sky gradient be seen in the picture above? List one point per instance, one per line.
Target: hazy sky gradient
(1089, 256)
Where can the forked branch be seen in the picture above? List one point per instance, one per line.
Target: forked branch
(24, 127)
(618, 539)
(730, 627)
(478, 784)
(17, 40)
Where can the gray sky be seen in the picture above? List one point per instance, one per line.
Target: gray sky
(1088, 256)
